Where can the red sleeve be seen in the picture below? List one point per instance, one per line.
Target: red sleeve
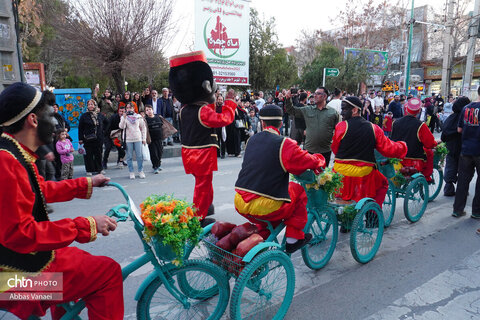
(210, 118)
(426, 137)
(340, 130)
(66, 190)
(387, 147)
(296, 160)
(19, 231)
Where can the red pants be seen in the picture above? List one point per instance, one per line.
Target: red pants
(424, 167)
(95, 279)
(203, 194)
(374, 185)
(293, 214)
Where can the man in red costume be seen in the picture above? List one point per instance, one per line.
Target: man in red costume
(419, 139)
(191, 81)
(262, 187)
(29, 242)
(354, 142)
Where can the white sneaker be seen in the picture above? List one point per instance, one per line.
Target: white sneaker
(89, 174)
(102, 172)
(132, 175)
(141, 174)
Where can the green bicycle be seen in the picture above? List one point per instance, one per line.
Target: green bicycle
(198, 289)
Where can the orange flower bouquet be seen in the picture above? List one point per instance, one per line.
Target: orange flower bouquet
(170, 222)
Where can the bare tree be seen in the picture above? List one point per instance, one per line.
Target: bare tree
(112, 33)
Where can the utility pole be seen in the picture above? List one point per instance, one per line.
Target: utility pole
(472, 33)
(410, 35)
(447, 50)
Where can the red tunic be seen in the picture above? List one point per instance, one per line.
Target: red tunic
(204, 161)
(428, 140)
(358, 187)
(294, 213)
(21, 233)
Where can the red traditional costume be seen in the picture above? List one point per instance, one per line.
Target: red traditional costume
(353, 144)
(263, 188)
(191, 80)
(419, 139)
(30, 242)
(199, 147)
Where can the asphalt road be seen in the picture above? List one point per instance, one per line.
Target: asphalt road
(426, 270)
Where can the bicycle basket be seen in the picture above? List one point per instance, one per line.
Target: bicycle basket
(306, 178)
(164, 252)
(316, 198)
(387, 170)
(438, 160)
(227, 260)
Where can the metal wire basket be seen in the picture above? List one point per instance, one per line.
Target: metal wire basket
(227, 260)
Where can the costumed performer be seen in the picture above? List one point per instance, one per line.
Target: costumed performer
(354, 142)
(191, 80)
(29, 241)
(419, 139)
(263, 189)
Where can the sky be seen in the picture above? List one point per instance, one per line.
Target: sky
(291, 18)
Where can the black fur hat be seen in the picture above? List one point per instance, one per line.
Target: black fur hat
(191, 78)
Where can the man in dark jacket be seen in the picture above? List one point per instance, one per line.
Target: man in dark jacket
(155, 146)
(453, 141)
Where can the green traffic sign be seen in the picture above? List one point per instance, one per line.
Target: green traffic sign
(331, 72)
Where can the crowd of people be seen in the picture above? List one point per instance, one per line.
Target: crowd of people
(210, 125)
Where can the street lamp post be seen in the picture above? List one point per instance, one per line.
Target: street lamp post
(410, 36)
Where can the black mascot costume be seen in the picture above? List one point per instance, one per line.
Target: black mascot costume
(191, 80)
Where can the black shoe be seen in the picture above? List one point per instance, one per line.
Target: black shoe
(104, 166)
(222, 156)
(344, 230)
(170, 143)
(164, 144)
(207, 221)
(458, 214)
(292, 247)
(211, 210)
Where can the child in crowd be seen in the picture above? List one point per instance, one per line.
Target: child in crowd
(377, 117)
(387, 124)
(254, 121)
(155, 146)
(65, 150)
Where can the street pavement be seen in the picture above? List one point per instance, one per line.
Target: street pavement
(425, 270)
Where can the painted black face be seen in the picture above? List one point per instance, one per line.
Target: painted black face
(346, 113)
(46, 125)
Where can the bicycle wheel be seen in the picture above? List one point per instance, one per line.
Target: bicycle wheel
(436, 184)
(323, 225)
(265, 288)
(389, 204)
(416, 199)
(204, 296)
(367, 232)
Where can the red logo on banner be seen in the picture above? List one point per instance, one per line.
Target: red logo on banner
(219, 40)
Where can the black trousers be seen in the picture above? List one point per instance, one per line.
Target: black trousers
(327, 156)
(466, 169)
(221, 143)
(108, 147)
(451, 168)
(286, 123)
(156, 152)
(93, 156)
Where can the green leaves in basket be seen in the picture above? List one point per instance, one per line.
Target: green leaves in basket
(171, 221)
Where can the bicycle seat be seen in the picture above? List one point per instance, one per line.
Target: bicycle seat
(339, 202)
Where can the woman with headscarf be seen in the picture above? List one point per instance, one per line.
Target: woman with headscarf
(90, 134)
(453, 141)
